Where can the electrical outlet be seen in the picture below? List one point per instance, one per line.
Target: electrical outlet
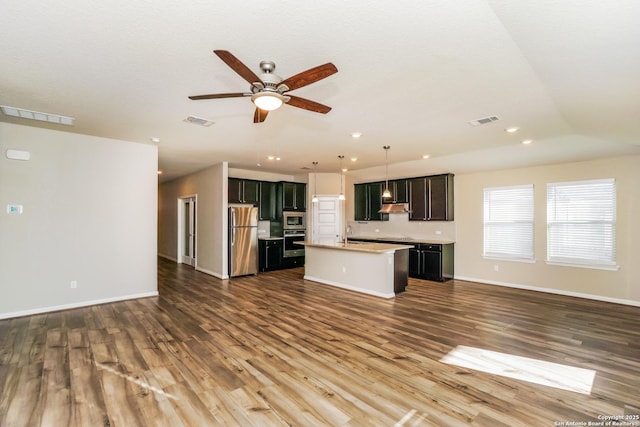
(438, 232)
(344, 269)
(73, 284)
(496, 267)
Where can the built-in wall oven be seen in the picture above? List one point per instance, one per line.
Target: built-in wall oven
(290, 248)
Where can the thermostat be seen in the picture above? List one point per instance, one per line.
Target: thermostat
(14, 209)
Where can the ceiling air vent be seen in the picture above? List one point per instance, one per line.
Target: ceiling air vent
(484, 121)
(198, 121)
(36, 115)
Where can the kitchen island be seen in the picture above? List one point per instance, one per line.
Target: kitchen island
(379, 269)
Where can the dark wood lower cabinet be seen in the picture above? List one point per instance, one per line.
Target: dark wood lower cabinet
(270, 254)
(294, 261)
(429, 261)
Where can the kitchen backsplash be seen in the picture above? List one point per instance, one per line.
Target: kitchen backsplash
(264, 228)
(400, 226)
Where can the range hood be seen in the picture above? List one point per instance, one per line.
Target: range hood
(389, 208)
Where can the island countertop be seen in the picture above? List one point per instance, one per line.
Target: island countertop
(370, 247)
(408, 240)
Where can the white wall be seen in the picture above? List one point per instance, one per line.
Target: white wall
(89, 216)
(210, 187)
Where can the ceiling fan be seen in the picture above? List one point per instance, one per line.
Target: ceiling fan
(269, 91)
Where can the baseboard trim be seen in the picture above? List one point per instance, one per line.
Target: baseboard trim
(200, 269)
(170, 258)
(551, 291)
(347, 287)
(212, 273)
(75, 305)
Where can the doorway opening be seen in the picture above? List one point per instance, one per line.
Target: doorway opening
(187, 215)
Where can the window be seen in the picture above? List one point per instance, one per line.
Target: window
(508, 222)
(581, 223)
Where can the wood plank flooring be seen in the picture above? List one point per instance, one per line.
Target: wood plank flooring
(275, 350)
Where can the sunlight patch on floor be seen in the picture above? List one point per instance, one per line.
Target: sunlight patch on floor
(535, 371)
(135, 381)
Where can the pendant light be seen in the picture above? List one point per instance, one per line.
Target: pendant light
(386, 194)
(314, 199)
(341, 196)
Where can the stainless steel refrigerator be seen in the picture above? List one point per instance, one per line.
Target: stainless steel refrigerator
(243, 240)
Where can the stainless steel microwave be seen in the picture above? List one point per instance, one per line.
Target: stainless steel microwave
(294, 221)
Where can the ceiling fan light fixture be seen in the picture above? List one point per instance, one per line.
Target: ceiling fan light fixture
(268, 101)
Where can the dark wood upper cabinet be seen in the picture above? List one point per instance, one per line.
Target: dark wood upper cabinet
(368, 201)
(268, 205)
(399, 191)
(243, 191)
(418, 189)
(294, 196)
(431, 198)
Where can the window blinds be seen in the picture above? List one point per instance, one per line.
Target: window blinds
(508, 222)
(581, 223)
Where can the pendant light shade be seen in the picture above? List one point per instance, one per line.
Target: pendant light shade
(386, 193)
(341, 196)
(314, 199)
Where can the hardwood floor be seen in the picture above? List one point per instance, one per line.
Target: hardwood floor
(275, 350)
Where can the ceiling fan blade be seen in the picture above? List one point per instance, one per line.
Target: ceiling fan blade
(307, 104)
(310, 76)
(259, 115)
(237, 66)
(220, 95)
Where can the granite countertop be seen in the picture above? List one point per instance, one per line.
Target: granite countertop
(408, 240)
(359, 246)
(270, 238)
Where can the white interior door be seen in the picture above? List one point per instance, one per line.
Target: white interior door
(327, 220)
(187, 230)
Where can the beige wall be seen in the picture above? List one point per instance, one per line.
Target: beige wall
(622, 285)
(89, 216)
(467, 229)
(211, 191)
(210, 188)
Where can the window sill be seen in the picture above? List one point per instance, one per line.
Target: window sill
(591, 266)
(498, 258)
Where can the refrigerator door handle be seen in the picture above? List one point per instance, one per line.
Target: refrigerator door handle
(233, 229)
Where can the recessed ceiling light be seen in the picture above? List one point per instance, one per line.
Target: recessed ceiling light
(344, 169)
(512, 129)
(159, 172)
(155, 139)
(356, 134)
(278, 158)
(35, 115)
(425, 156)
(526, 141)
(271, 157)
(354, 159)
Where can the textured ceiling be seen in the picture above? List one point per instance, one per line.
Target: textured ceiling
(411, 75)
